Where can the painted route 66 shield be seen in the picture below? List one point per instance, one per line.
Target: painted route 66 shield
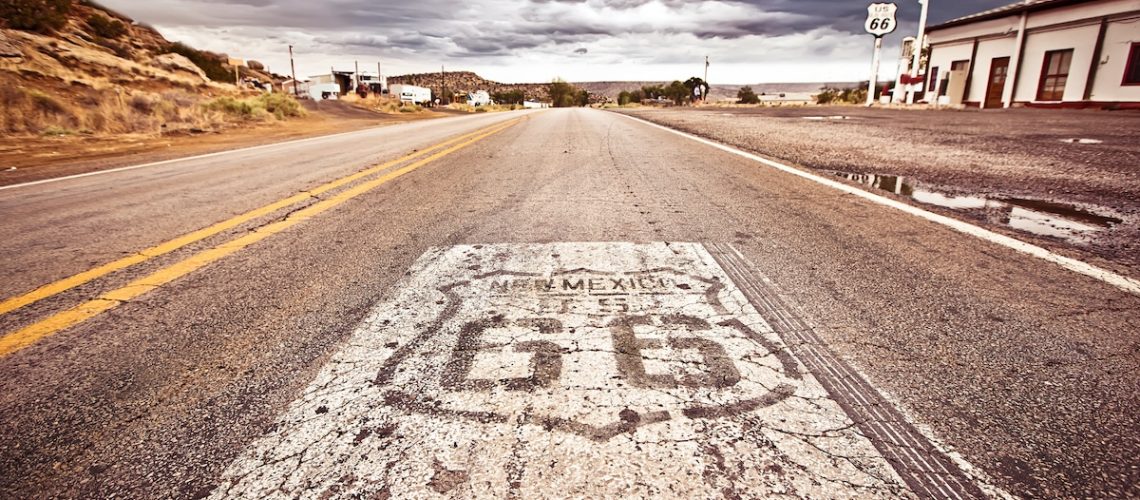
(566, 369)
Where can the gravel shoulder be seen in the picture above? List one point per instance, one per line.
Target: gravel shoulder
(1013, 171)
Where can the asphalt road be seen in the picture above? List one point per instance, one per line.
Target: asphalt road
(577, 303)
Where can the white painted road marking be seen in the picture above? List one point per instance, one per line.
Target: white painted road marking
(1124, 283)
(564, 370)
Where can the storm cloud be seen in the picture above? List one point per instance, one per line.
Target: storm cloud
(535, 40)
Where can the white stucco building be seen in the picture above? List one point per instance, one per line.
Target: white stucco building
(1047, 53)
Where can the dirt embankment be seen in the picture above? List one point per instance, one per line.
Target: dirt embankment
(28, 159)
(1068, 180)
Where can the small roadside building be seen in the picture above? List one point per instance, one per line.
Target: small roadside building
(1044, 53)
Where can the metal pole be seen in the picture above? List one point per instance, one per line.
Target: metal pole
(919, 43)
(703, 91)
(293, 69)
(874, 71)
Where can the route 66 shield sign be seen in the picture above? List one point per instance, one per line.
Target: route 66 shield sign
(881, 18)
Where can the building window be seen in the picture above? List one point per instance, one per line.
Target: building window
(930, 86)
(1132, 68)
(1054, 75)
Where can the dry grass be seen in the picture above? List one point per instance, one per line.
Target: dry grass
(383, 104)
(80, 110)
(492, 108)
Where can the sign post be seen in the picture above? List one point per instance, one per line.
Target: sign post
(880, 21)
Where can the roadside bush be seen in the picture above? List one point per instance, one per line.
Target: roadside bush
(829, 95)
(43, 16)
(105, 27)
(281, 105)
(256, 66)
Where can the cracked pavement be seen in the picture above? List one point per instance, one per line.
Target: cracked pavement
(1023, 374)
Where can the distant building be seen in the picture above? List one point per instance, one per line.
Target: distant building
(1044, 53)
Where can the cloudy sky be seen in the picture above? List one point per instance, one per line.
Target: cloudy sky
(749, 41)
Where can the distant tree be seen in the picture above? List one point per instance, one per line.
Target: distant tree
(653, 91)
(747, 96)
(697, 87)
(255, 65)
(677, 92)
(624, 97)
(43, 16)
(565, 95)
(509, 97)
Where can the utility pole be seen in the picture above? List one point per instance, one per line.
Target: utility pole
(379, 78)
(442, 86)
(872, 86)
(707, 85)
(293, 69)
(356, 76)
(919, 43)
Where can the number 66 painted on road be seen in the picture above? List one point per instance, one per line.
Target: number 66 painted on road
(546, 362)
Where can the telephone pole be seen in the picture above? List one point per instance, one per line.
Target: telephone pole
(919, 43)
(707, 86)
(293, 69)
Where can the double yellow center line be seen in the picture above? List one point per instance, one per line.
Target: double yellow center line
(28, 335)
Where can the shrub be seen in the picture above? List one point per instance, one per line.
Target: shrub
(209, 63)
(281, 105)
(54, 131)
(105, 27)
(43, 16)
(747, 96)
(46, 104)
(255, 65)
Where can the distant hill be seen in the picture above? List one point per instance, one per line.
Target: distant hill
(718, 92)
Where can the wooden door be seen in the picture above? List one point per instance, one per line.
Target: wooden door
(995, 86)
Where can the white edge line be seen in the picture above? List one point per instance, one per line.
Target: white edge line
(216, 154)
(1124, 283)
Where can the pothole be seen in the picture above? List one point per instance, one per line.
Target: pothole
(1082, 141)
(1069, 222)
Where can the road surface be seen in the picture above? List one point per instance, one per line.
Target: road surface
(541, 304)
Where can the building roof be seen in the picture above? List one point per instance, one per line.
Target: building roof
(1012, 9)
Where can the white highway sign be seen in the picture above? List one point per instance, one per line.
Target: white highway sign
(881, 19)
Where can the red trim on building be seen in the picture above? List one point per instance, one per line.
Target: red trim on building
(1082, 105)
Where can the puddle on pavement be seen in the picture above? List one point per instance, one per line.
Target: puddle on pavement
(1082, 141)
(1042, 218)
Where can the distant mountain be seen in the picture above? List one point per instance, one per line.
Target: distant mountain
(467, 81)
(718, 92)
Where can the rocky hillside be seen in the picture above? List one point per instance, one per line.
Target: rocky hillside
(462, 82)
(70, 66)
